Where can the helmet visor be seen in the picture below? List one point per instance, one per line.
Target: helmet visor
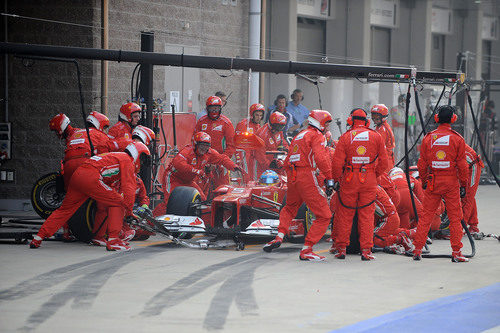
(278, 127)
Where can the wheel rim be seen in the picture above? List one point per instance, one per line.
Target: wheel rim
(49, 196)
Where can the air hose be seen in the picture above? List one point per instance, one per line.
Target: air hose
(472, 245)
(427, 123)
(476, 129)
(407, 161)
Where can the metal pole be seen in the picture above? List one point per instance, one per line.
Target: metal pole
(146, 91)
(6, 69)
(263, 22)
(173, 126)
(373, 73)
(104, 63)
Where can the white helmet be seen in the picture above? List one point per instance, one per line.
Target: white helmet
(394, 171)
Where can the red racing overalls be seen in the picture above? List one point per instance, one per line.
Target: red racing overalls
(307, 153)
(222, 133)
(359, 158)
(93, 179)
(184, 170)
(469, 201)
(442, 165)
(387, 135)
(246, 155)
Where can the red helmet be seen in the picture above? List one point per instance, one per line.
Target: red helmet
(319, 119)
(277, 121)
(214, 100)
(201, 137)
(126, 111)
(257, 107)
(358, 114)
(145, 134)
(98, 120)
(135, 149)
(215, 105)
(59, 123)
(381, 109)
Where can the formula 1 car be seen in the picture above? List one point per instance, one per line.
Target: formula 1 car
(234, 213)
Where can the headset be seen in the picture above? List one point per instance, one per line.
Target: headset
(446, 107)
(351, 118)
(295, 92)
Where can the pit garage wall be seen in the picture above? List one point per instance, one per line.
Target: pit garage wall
(38, 92)
(210, 27)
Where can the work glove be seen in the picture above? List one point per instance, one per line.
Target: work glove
(276, 164)
(143, 210)
(462, 191)
(330, 186)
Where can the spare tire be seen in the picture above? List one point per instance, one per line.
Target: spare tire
(82, 222)
(47, 194)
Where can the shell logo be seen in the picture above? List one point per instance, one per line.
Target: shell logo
(295, 149)
(78, 135)
(361, 150)
(166, 219)
(440, 155)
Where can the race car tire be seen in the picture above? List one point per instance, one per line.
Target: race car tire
(180, 203)
(47, 194)
(82, 222)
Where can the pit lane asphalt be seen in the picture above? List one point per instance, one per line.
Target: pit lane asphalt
(159, 286)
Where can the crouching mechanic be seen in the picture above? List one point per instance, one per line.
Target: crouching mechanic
(307, 152)
(444, 171)
(387, 232)
(143, 135)
(189, 164)
(92, 180)
(360, 157)
(60, 124)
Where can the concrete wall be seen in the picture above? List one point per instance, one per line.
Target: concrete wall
(42, 90)
(219, 30)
